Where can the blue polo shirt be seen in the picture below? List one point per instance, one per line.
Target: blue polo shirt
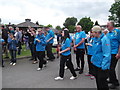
(49, 35)
(78, 37)
(65, 45)
(114, 37)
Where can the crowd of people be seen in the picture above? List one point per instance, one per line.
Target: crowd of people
(103, 51)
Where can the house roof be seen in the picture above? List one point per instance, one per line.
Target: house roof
(27, 23)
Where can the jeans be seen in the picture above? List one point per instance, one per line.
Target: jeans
(13, 56)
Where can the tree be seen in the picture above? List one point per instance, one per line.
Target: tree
(49, 25)
(71, 28)
(115, 13)
(70, 22)
(86, 24)
(58, 27)
(96, 23)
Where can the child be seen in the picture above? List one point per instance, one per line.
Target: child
(12, 43)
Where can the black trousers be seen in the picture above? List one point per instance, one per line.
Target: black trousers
(33, 51)
(101, 78)
(112, 72)
(40, 56)
(19, 47)
(13, 56)
(80, 57)
(66, 60)
(90, 66)
(49, 51)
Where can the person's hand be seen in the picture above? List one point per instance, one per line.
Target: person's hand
(75, 49)
(60, 52)
(37, 40)
(74, 46)
(47, 41)
(117, 56)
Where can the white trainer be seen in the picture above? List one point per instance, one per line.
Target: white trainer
(92, 77)
(11, 63)
(66, 68)
(14, 64)
(73, 78)
(38, 69)
(58, 78)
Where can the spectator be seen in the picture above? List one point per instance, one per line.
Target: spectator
(12, 42)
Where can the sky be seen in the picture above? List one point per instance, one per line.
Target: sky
(53, 12)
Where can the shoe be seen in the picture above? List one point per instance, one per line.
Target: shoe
(77, 69)
(73, 78)
(92, 77)
(39, 69)
(58, 78)
(44, 65)
(66, 68)
(87, 74)
(3, 66)
(81, 71)
(14, 64)
(11, 63)
(35, 62)
(113, 86)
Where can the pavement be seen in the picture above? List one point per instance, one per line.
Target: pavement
(25, 75)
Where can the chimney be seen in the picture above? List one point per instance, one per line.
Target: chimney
(27, 20)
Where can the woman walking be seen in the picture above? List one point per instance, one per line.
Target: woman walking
(66, 57)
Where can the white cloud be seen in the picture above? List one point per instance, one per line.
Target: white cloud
(53, 11)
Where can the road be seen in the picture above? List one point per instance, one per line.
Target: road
(24, 75)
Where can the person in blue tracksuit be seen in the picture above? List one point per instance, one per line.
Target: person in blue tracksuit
(40, 48)
(12, 44)
(79, 47)
(65, 57)
(49, 40)
(114, 36)
(101, 58)
(90, 52)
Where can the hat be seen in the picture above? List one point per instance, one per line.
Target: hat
(96, 29)
(66, 29)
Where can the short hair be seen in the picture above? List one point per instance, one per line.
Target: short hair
(97, 29)
(112, 23)
(79, 26)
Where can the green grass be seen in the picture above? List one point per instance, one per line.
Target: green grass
(25, 52)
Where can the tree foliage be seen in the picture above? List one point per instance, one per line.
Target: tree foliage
(49, 25)
(58, 27)
(70, 23)
(86, 24)
(115, 13)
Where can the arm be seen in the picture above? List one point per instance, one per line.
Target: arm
(67, 44)
(83, 39)
(106, 54)
(118, 54)
(52, 36)
(67, 49)
(50, 39)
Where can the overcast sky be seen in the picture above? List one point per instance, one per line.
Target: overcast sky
(53, 11)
